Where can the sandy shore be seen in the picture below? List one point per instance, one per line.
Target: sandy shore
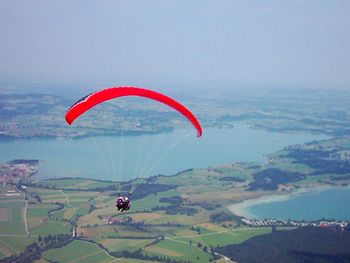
(243, 208)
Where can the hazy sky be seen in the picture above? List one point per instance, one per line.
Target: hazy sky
(305, 43)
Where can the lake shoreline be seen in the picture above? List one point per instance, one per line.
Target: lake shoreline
(124, 158)
(242, 208)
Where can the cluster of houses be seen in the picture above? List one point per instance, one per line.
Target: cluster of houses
(118, 220)
(9, 171)
(293, 223)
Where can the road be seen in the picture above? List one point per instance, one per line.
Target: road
(25, 218)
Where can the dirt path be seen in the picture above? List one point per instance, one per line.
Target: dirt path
(67, 198)
(105, 251)
(65, 206)
(184, 242)
(8, 249)
(25, 217)
(62, 209)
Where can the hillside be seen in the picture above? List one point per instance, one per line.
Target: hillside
(180, 217)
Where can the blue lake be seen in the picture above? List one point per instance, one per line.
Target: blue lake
(324, 203)
(123, 158)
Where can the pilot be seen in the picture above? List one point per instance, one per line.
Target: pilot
(123, 203)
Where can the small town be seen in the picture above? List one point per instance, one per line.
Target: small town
(17, 169)
(294, 223)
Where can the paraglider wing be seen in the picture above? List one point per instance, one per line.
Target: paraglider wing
(98, 97)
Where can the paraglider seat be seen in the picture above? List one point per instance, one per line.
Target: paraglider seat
(123, 203)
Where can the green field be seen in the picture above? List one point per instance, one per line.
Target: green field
(116, 245)
(74, 183)
(75, 203)
(200, 217)
(3, 189)
(288, 165)
(14, 245)
(11, 217)
(151, 201)
(40, 210)
(177, 250)
(12, 228)
(231, 236)
(78, 251)
(313, 180)
(51, 227)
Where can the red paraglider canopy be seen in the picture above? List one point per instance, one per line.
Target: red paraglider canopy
(91, 100)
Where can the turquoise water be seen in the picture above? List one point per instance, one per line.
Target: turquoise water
(331, 203)
(122, 158)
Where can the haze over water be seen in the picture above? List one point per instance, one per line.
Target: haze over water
(123, 158)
